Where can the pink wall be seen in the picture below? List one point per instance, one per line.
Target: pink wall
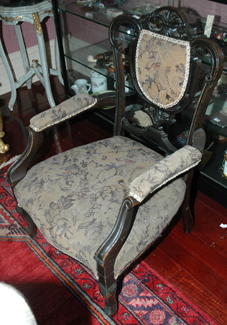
(86, 30)
(95, 33)
(10, 40)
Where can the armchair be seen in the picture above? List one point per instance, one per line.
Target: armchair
(106, 202)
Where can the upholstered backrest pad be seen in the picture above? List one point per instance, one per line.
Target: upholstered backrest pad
(162, 68)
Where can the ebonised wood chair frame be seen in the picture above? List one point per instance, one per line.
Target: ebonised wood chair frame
(171, 20)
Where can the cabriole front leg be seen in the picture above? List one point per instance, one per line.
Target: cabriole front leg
(19, 168)
(107, 288)
(107, 253)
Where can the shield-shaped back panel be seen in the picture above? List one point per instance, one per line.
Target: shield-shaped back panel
(162, 68)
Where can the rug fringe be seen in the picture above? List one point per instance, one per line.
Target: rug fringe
(9, 161)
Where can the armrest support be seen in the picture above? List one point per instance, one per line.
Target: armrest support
(158, 175)
(67, 109)
(19, 168)
(165, 170)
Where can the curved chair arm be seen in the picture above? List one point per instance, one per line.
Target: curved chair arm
(70, 108)
(142, 186)
(19, 168)
(106, 254)
(165, 170)
(67, 109)
(119, 233)
(53, 116)
(162, 172)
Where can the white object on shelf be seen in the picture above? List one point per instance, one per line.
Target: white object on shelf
(113, 12)
(98, 81)
(209, 25)
(81, 86)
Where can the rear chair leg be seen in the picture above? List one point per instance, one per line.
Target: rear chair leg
(188, 218)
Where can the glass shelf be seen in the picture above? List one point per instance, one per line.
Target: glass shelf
(104, 17)
(81, 55)
(136, 7)
(100, 16)
(97, 16)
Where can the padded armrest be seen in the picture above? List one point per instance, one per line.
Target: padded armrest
(162, 172)
(67, 109)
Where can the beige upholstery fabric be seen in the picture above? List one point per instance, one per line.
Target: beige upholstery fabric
(167, 169)
(74, 198)
(71, 107)
(162, 68)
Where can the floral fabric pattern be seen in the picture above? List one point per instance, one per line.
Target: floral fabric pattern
(71, 107)
(162, 68)
(74, 198)
(168, 168)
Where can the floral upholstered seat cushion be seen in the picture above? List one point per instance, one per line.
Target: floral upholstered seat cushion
(162, 68)
(74, 198)
(67, 109)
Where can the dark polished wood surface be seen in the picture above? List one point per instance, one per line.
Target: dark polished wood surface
(196, 263)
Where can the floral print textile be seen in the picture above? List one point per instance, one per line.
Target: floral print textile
(167, 169)
(71, 107)
(162, 68)
(74, 197)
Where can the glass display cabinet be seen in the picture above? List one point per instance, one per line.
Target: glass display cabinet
(85, 52)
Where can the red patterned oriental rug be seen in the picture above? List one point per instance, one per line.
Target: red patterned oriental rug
(61, 291)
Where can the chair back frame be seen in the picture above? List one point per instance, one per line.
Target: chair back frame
(168, 21)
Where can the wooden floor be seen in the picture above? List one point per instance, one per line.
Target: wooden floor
(196, 263)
